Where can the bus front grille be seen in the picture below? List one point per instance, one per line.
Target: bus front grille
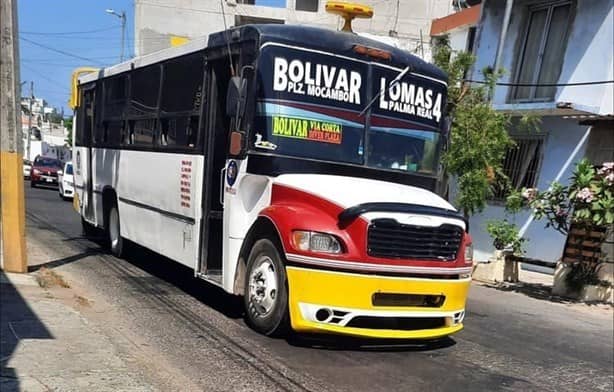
(389, 239)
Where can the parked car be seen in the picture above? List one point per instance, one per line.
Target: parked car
(27, 168)
(45, 171)
(66, 185)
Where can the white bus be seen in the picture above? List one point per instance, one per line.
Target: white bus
(290, 165)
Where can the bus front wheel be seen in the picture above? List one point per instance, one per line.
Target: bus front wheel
(116, 242)
(266, 290)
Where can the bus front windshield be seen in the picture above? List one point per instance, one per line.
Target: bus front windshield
(310, 105)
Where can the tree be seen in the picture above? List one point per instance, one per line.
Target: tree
(68, 125)
(478, 137)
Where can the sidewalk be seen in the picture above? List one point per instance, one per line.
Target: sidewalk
(47, 345)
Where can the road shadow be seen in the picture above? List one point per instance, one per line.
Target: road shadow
(17, 322)
(343, 343)
(183, 278)
(65, 260)
(534, 290)
(231, 306)
(47, 187)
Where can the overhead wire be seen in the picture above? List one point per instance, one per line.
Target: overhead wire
(55, 58)
(587, 83)
(69, 32)
(59, 51)
(40, 74)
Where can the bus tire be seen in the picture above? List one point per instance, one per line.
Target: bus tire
(266, 290)
(116, 242)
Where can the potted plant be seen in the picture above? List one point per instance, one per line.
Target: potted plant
(505, 237)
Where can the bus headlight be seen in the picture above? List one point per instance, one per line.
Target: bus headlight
(316, 242)
(469, 253)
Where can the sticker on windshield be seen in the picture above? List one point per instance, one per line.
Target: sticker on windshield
(314, 130)
(264, 144)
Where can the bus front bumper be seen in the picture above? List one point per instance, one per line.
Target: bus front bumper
(337, 302)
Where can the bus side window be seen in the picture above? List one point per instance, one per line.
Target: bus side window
(181, 101)
(81, 123)
(143, 133)
(128, 132)
(144, 88)
(85, 119)
(113, 132)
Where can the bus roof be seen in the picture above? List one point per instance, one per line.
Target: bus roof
(337, 42)
(332, 41)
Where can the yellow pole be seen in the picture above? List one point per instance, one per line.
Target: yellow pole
(12, 205)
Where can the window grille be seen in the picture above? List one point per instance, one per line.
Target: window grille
(522, 163)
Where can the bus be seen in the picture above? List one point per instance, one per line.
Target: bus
(294, 166)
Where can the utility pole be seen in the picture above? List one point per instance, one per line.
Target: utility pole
(30, 121)
(122, 17)
(12, 204)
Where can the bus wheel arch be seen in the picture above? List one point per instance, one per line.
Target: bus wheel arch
(112, 222)
(263, 227)
(263, 280)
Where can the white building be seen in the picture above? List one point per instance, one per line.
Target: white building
(46, 138)
(159, 23)
(543, 43)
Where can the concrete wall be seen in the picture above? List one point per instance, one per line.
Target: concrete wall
(458, 39)
(157, 20)
(588, 55)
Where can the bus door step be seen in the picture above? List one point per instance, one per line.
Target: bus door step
(212, 276)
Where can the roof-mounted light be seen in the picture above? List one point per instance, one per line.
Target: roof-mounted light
(349, 11)
(373, 52)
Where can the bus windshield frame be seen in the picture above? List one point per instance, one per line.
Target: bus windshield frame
(308, 106)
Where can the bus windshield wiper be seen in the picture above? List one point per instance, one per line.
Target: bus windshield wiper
(394, 81)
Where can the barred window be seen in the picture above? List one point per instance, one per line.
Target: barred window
(522, 163)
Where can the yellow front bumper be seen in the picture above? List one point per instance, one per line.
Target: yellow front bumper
(351, 294)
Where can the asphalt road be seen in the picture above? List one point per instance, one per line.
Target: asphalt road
(511, 341)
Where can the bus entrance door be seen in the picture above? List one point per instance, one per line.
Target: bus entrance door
(87, 172)
(216, 146)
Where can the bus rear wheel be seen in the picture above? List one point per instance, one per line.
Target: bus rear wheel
(266, 290)
(116, 242)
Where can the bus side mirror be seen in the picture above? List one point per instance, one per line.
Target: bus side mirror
(235, 97)
(237, 144)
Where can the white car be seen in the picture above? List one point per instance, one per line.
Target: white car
(66, 185)
(27, 168)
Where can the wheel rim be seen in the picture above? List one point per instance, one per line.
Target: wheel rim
(114, 227)
(263, 286)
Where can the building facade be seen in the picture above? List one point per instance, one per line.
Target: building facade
(160, 24)
(558, 58)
